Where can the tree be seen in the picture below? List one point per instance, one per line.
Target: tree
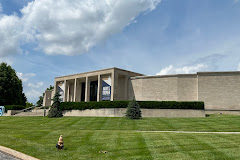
(50, 88)
(133, 110)
(11, 90)
(40, 101)
(28, 104)
(55, 110)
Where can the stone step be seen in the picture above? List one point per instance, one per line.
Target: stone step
(33, 113)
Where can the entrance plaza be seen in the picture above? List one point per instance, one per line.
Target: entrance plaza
(220, 91)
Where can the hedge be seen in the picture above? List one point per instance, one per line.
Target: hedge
(123, 104)
(92, 105)
(14, 107)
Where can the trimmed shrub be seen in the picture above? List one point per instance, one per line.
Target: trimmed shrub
(124, 104)
(93, 105)
(171, 105)
(133, 110)
(13, 107)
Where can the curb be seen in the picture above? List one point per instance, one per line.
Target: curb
(16, 154)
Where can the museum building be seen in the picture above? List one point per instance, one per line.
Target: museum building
(220, 91)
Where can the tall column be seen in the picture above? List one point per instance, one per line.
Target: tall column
(68, 94)
(75, 90)
(65, 91)
(87, 90)
(99, 91)
(112, 85)
(55, 87)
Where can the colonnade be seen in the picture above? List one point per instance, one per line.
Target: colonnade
(73, 87)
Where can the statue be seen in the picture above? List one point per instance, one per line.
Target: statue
(60, 145)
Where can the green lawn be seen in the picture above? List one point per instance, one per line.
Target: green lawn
(85, 137)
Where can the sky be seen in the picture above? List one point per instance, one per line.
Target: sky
(44, 39)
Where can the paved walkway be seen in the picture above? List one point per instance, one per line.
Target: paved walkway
(7, 153)
(4, 156)
(192, 132)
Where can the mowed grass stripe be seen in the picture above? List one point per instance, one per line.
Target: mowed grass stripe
(213, 123)
(164, 146)
(210, 145)
(84, 137)
(187, 146)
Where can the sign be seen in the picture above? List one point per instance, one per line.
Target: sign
(1, 110)
(60, 90)
(106, 91)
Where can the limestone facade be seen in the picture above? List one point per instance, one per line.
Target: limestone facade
(218, 90)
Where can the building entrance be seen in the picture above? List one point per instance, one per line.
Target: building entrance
(83, 92)
(93, 90)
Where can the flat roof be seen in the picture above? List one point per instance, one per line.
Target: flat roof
(162, 76)
(99, 71)
(187, 75)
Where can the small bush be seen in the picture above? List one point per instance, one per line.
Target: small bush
(133, 110)
(13, 107)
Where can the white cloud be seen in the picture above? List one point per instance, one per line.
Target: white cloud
(10, 35)
(31, 88)
(25, 77)
(183, 70)
(33, 94)
(238, 69)
(235, 1)
(37, 85)
(68, 27)
(7, 60)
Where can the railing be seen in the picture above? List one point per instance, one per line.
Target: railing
(26, 109)
(33, 112)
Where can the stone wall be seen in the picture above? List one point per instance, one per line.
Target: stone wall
(164, 88)
(120, 112)
(219, 90)
(187, 88)
(47, 98)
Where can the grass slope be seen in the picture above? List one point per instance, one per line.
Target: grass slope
(84, 137)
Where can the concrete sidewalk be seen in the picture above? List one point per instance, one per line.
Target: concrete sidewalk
(14, 155)
(7, 156)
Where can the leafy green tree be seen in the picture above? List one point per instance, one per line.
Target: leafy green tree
(133, 110)
(40, 101)
(55, 110)
(28, 104)
(11, 90)
(50, 88)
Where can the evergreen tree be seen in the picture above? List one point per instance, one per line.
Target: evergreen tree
(55, 109)
(11, 90)
(133, 110)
